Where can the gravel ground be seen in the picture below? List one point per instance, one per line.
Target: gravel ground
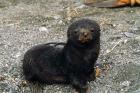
(25, 23)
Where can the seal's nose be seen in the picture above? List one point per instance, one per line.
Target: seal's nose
(85, 34)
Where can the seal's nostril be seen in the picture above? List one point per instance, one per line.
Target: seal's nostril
(85, 34)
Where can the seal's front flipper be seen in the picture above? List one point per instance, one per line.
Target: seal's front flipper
(110, 3)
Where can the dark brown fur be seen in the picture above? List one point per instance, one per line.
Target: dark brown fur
(73, 63)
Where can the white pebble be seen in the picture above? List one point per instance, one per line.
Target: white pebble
(56, 17)
(44, 29)
(18, 54)
(126, 83)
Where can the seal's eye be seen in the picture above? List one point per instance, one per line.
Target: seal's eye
(92, 30)
(75, 32)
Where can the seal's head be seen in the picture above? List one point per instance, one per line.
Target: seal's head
(83, 31)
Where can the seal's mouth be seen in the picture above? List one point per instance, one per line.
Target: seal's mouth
(85, 38)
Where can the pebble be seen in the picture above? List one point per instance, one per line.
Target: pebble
(2, 78)
(137, 91)
(18, 55)
(126, 83)
(130, 35)
(113, 25)
(44, 29)
(81, 6)
(138, 38)
(60, 22)
(136, 30)
(57, 17)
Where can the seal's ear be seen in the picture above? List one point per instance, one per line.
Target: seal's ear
(68, 33)
(110, 3)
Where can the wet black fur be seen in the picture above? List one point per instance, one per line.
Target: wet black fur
(73, 63)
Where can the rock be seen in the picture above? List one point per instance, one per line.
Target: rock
(136, 30)
(126, 83)
(44, 29)
(57, 17)
(130, 35)
(138, 38)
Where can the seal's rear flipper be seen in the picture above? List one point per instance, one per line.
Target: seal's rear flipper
(110, 3)
(36, 88)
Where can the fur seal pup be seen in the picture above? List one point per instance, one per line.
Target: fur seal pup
(66, 63)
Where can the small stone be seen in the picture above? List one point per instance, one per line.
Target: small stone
(18, 55)
(138, 38)
(126, 83)
(125, 41)
(23, 83)
(2, 78)
(89, 1)
(56, 17)
(136, 30)
(130, 35)
(6, 65)
(98, 71)
(114, 25)
(44, 29)
(108, 51)
(131, 11)
(81, 6)
(60, 22)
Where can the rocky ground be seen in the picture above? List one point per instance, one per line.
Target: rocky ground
(25, 23)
